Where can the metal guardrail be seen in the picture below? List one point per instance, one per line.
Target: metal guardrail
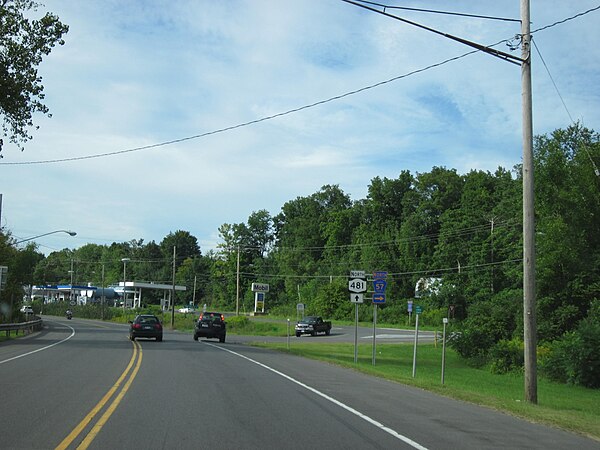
(25, 327)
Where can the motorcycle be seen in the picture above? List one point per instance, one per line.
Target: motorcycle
(69, 315)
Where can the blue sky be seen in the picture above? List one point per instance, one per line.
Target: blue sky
(138, 73)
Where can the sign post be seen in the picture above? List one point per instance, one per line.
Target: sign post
(418, 311)
(445, 320)
(357, 285)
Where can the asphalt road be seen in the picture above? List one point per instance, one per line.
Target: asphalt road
(83, 383)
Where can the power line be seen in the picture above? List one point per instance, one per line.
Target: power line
(581, 14)
(285, 113)
(244, 124)
(584, 147)
(552, 79)
(449, 13)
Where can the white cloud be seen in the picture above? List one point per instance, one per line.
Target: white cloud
(144, 72)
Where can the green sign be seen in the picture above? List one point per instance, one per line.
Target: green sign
(418, 309)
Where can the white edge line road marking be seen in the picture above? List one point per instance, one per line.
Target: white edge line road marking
(331, 399)
(40, 349)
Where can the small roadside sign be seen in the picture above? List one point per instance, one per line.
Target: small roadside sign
(357, 298)
(410, 305)
(378, 299)
(300, 307)
(357, 274)
(260, 287)
(418, 309)
(380, 275)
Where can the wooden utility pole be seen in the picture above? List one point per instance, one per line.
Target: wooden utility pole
(529, 302)
(237, 284)
(173, 291)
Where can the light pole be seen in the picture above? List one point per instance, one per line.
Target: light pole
(237, 284)
(124, 279)
(71, 285)
(72, 233)
(103, 295)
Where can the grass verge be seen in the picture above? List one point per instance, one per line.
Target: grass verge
(571, 408)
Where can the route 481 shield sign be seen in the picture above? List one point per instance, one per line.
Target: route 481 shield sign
(357, 285)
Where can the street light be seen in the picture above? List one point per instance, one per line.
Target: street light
(124, 278)
(72, 233)
(71, 285)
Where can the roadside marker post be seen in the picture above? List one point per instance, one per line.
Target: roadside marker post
(418, 311)
(445, 320)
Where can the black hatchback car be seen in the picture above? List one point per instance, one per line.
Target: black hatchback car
(146, 326)
(210, 325)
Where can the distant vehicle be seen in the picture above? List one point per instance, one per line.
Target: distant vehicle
(210, 325)
(313, 325)
(187, 309)
(27, 309)
(146, 326)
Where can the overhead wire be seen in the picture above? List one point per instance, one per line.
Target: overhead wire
(584, 147)
(448, 13)
(284, 113)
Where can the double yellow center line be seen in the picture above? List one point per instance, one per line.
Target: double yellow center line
(128, 372)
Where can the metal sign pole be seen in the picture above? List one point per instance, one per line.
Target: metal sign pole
(374, 329)
(414, 369)
(355, 333)
(444, 349)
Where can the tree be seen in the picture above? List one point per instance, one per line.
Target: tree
(23, 44)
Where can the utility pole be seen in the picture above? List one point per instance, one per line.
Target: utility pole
(194, 293)
(173, 291)
(103, 299)
(237, 284)
(529, 301)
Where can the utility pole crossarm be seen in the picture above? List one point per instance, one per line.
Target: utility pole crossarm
(497, 53)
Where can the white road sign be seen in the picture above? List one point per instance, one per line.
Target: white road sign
(357, 285)
(357, 274)
(357, 298)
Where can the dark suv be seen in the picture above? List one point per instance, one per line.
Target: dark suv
(210, 325)
(146, 326)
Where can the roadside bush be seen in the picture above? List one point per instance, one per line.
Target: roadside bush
(487, 324)
(506, 356)
(238, 322)
(393, 312)
(433, 317)
(331, 302)
(575, 358)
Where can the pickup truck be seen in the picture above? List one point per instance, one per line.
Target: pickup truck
(313, 325)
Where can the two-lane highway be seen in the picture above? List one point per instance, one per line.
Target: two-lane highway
(98, 390)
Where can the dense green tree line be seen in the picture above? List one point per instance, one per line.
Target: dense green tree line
(462, 230)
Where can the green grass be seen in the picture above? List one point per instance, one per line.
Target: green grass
(572, 408)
